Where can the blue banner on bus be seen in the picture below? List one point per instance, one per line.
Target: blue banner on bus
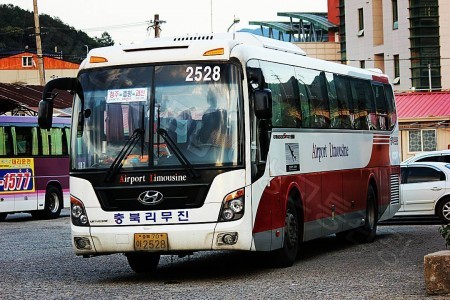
(16, 175)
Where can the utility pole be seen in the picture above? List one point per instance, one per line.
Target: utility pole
(156, 25)
(157, 29)
(37, 31)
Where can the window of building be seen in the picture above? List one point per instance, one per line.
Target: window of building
(396, 69)
(394, 14)
(362, 64)
(27, 61)
(361, 22)
(422, 140)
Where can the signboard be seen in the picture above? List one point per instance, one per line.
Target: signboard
(16, 175)
(126, 95)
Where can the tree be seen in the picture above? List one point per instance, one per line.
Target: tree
(104, 40)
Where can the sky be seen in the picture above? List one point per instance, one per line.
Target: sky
(127, 21)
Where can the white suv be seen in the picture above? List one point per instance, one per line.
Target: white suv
(438, 156)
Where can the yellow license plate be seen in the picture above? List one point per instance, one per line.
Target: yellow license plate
(150, 242)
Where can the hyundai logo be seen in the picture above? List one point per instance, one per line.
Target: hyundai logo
(150, 197)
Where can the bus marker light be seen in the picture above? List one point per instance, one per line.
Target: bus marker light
(97, 59)
(213, 52)
(277, 233)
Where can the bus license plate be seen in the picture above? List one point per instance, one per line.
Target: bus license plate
(150, 242)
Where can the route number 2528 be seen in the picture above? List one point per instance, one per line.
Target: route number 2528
(200, 73)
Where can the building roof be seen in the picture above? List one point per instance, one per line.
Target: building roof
(29, 96)
(309, 27)
(320, 20)
(423, 105)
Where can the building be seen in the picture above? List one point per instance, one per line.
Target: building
(405, 39)
(315, 33)
(424, 120)
(22, 67)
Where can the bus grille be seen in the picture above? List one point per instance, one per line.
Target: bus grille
(175, 197)
(395, 189)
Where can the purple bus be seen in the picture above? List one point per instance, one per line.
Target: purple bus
(34, 167)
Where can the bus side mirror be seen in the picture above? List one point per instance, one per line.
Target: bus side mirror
(263, 104)
(45, 114)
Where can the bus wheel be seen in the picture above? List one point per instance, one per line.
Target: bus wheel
(443, 210)
(367, 233)
(285, 257)
(142, 262)
(53, 203)
(3, 217)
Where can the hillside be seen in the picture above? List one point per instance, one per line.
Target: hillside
(17, 33)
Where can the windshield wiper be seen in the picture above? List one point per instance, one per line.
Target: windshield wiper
(118, 162)
(183, 160)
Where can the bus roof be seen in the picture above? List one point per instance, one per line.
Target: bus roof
(30, 120)
(219, 47)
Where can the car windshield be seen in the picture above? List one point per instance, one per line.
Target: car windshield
(196, 106)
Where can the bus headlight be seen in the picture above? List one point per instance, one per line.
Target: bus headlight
(232, 206)
(78, 212)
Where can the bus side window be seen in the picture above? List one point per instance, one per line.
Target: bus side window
(285, 95)
(339, 104)
(363, 112)
(5, 141)
(56, 147)
(66, 140)
(23, 141)
(391, 114)
(35, 141)
(44, 141)
(319, 110)
(381, 106)
(305, 107)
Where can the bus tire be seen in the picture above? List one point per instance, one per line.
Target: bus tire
(285, 257)
(143, 262)
(53, 203)
(3, 216)
(443, 210)
(367, 233)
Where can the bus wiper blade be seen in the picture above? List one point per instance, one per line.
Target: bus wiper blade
(118, 162)
(183, 160)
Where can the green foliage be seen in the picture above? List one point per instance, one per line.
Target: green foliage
(105, 40)
(444, 230)
(17, 33)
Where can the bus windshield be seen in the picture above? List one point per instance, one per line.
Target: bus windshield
(144, 116)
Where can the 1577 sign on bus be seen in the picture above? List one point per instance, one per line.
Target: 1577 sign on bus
(16, 175)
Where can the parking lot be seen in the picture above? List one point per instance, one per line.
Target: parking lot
(37, 261)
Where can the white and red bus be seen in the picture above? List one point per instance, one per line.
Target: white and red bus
(225, 142)
(34, 166)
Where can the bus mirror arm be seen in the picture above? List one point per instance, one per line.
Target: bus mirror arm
(45, 112)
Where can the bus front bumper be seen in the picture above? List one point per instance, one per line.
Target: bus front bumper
(91, 241)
